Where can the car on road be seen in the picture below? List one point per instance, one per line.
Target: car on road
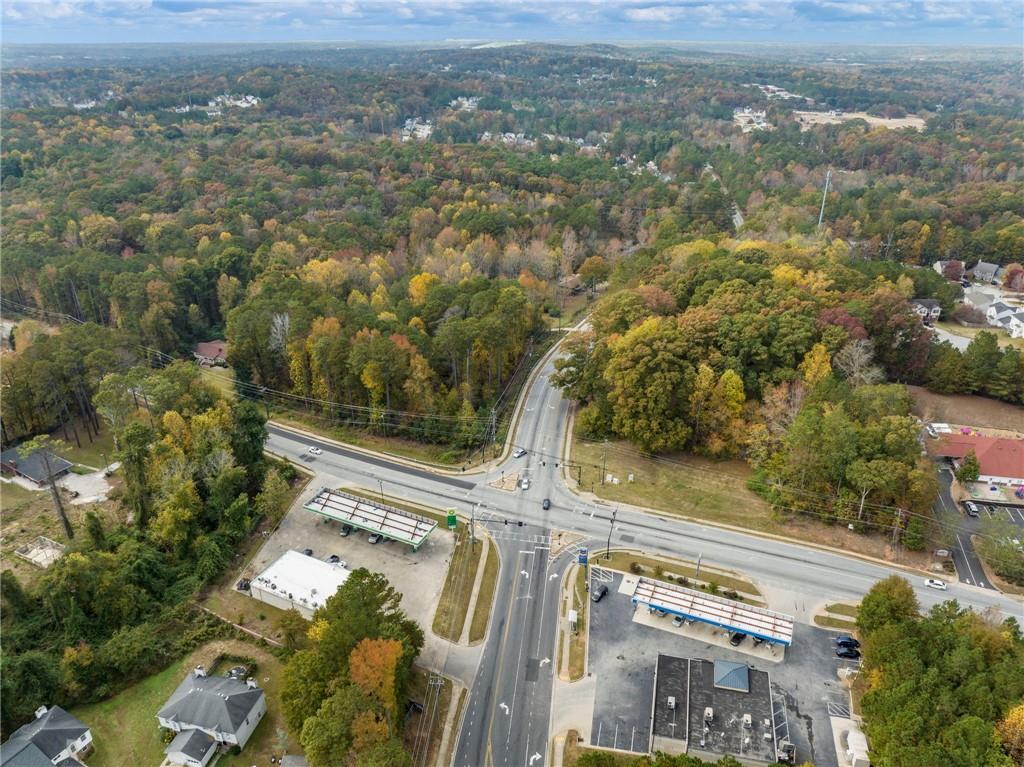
(737, 639)
(677, 621)
(845, 640)
(972, 509)
(546, 504)
(850, 653)
(935, 583)
(518, 453)
(525, 484)
(315, 451)
(375, 538)
(599, 593)
(345, 531)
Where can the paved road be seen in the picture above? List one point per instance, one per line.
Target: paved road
(801, 577)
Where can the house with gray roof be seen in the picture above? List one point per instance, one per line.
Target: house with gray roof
(928, 309)
(210, 711)
(984, 272)
(32, 466)
(54, 737)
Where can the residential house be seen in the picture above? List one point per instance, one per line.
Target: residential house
(211, 353)
(53, 737)
(984, 272)
(928, 309)
(207, 712)
(940, 267)
(1001, 460)
(33, 465)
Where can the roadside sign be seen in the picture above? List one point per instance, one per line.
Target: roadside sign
(452, 520)
(583, 556)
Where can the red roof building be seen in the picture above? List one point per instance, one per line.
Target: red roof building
(211, 352)
(1001, 460)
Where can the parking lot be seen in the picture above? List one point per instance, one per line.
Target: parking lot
(419, 576)
(1014, 514)
(624, 653)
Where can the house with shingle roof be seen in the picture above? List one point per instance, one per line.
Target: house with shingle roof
(984, 272)
(32, 466)
(210, 711)
(54, 737)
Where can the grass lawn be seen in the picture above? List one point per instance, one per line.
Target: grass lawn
(485, 599)
(453, 604)
(838, 616)
(222, 379)
(96, 454)
(688, 485)
(1004, 340)
(125, 730)
(715, 491)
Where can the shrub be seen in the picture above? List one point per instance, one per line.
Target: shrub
(636, 568)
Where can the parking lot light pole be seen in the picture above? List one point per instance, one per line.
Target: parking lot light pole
(611, 527)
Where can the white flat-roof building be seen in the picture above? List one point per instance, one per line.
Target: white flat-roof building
(298, 581)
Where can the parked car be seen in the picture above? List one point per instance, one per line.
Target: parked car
(935, 583)
(737, 638)
(525, 484)
(677, 621)
(850, 653)
(546, 504)
(599, 593)
(758, 641)
(315, 451)
(518, 453)
(345, 531)
(846, 641)
(334, 559)
(375, 538)
(972, 509)
(308, 552)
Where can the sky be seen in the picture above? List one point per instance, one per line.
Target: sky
(942, 22)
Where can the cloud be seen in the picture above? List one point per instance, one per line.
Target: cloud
(854, 21)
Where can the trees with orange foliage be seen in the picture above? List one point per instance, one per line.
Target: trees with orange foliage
(372, 666)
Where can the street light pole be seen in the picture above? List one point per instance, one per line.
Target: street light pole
(380, 483)
(611, 527)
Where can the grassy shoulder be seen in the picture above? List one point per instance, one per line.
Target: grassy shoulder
(485, 597)
(664, 568)
(423, 732)
(574, 749)
(1004, 340)
(125, 730)
(453, 604)
(578, 640)
(838, 616)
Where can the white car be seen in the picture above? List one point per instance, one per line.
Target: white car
(315, 451)
(525, 484)
(934, 583)
(518, 453)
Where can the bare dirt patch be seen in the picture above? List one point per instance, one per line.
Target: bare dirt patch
(809, 119)
(967, 409)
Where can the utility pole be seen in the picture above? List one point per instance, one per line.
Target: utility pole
(604, 460)
(697, 574)
(896, 528)
(472, 526)
(611, 527)
(380, 483)
(493, 427)
(821, 213)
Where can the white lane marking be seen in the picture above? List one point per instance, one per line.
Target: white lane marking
(967, 562)
(524, 573)
(553, 576)
(503, 707)
(545, 662)
(534, 758)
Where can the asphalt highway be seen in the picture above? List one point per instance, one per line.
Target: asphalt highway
(508, 709)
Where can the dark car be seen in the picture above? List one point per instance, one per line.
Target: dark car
(736, 639)
(546, 504)
(345, 530)
(308, 552)
(333, 559)
(852, 653)
(846, 641)
(599, 593)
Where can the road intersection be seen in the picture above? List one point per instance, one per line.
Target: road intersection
(508, 709)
